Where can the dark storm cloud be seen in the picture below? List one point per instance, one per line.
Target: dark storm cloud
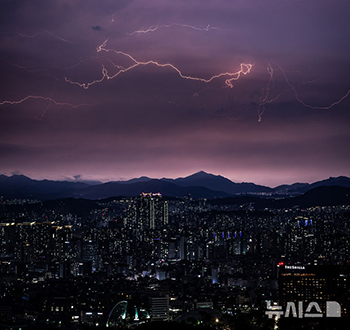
(149, 120)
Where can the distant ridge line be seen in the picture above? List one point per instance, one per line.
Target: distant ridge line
(196, 185)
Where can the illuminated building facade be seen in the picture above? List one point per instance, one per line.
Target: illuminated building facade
(152, 211)
(315, 284)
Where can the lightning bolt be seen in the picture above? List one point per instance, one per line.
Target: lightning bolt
(244, 69)
(39, 97)
(156, 27)
(48, 105)
(87, 85)
(51, 68)
(44, 32)
(117, 70)
(115, 65)
(308, 105)
(265, 94)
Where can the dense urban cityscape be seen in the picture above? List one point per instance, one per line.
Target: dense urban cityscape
(107, 107)
(129, 261)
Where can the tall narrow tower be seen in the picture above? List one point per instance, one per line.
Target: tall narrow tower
(152, 211)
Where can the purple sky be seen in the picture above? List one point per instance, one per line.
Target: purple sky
(271, 127)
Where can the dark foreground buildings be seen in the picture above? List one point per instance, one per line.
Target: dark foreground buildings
(68, 263)
(320, 284)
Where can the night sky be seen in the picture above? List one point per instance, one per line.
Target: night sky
(115, 89)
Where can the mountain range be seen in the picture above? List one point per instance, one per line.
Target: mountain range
(197, 185)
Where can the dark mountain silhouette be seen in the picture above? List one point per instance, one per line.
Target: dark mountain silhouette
(153, 185)
(20, 186)
(319, 196)
(341, 181)
(198, 185)
(299, 188)
(13, 182)
(141, 179)
(218, 183)
(293, 189)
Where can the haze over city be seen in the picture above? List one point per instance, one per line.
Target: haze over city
(254, 91)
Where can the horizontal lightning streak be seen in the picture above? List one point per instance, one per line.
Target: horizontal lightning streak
(87, 85)
(51, 68)
(244, 69)
(156, 27)
(43, 32)
(38, 97)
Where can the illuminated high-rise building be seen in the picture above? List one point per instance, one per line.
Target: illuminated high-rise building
(315, 284)
(152, 211)
(166, 213)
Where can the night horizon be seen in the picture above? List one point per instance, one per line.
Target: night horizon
(253, 92)
(94, 179)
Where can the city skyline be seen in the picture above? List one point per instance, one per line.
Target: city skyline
(253, 92)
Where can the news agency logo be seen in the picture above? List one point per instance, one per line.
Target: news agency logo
(313, 309)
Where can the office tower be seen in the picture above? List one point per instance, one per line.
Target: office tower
(166, 213)
(315, 284)
(152, 211)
